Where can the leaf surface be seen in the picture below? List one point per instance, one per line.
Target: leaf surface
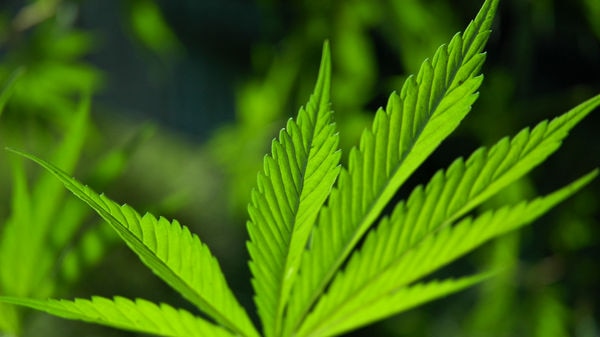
(170, 251)
(401, 299)
(350, 304)
(449, 195)
(139, 315)
(296, 180)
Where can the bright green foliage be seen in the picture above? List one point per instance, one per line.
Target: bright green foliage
(294, 185)
(402, 298)
(166, 248)
(26, 268)
(325, 257)
(367, 291)
(37, 269)
(395, 245)
(139, 315)
(37, 258)
(414, 123)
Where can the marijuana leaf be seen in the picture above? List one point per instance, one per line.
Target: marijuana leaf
(297, 179)
(418, 238)
(310, 274)
(165, 247)
(367, 291)
(139, 315)
(414, 123)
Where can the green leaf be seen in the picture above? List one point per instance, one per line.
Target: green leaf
(296, 180)
(401, 299)
(26, 268)
(170, 250)
(351, 303)
(139, 315)
(27, 258)
(414, 123)
(450, 195)
(447, 197)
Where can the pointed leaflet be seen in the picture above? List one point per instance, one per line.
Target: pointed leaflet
(414, 123)
(171, 251)
(139, 315)
(397, 301)
(296, 180)
(448, 196)
(343, 308)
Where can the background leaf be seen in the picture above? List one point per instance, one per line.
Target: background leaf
(28, 269)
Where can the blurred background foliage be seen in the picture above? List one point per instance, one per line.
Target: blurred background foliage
(187, 95)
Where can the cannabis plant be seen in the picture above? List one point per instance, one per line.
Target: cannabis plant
(331, 250)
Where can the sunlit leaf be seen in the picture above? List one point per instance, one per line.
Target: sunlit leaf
(171, 251)
(139, 315)
(296, 180)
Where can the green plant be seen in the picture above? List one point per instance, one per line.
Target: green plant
(38, 259)
(326, 257)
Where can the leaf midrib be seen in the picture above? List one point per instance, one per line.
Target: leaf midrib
(301, 192)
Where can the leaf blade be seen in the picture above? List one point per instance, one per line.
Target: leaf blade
(160, 245)
(452, 193)
(348, 300)
(400, 300)
(295, 182)
(139, 315)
